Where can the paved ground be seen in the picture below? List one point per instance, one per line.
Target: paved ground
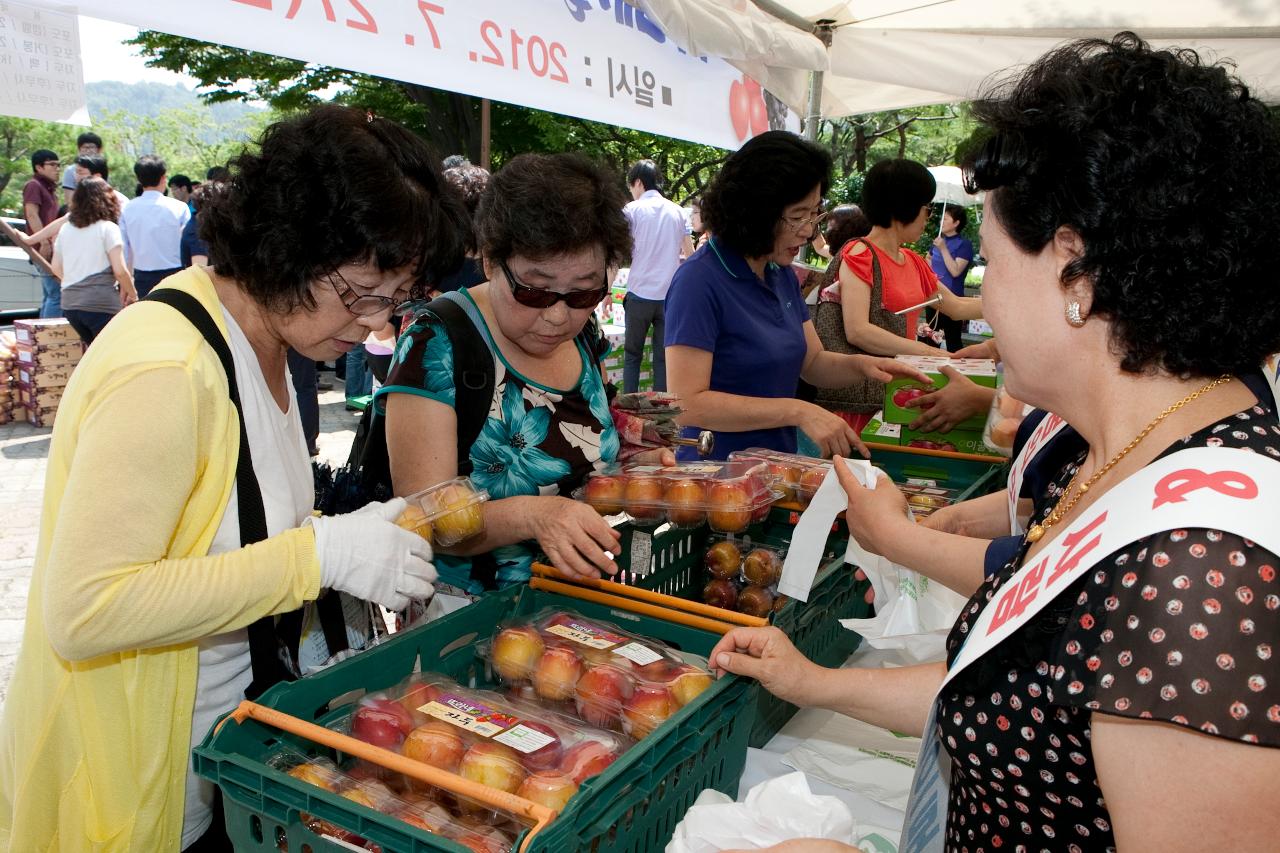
(23, 453)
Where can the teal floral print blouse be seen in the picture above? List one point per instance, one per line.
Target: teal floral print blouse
(536, 441)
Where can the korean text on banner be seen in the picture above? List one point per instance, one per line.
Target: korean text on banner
(602, 60)
(40, 72)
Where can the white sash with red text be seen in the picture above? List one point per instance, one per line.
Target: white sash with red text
(1228, 489)
(1043, 433)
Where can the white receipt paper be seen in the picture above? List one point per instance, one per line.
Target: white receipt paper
(810, 538)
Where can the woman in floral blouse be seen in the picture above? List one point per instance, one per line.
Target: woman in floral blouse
(549, 228)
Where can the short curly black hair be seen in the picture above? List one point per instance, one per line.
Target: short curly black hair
(541, 205)
(1168, 170)
(895, 190)
(329, 187)
(765, 176)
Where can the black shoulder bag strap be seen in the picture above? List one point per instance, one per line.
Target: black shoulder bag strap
(265, 652)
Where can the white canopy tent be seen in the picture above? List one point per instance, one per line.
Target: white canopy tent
(889, 54)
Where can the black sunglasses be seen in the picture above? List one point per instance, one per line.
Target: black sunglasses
(537, 297)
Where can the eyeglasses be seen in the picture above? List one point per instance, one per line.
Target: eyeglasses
(798, 224)
(537, 297)
(365, 306)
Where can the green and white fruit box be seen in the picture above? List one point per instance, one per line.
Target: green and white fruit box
(982, 371)
(878, 432)
(956, 441)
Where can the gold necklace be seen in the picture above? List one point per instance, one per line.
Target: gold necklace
(1070, 497)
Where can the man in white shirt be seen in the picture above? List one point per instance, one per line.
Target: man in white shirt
(151, 225)
(660, 235)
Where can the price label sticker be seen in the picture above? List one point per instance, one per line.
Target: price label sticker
(641, 552)
(524, 739)
(477, 719)
(638, 654)
(585, 634)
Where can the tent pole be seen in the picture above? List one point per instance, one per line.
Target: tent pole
(813, 117)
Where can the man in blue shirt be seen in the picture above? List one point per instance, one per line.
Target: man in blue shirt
(950, 259)
(151, 225)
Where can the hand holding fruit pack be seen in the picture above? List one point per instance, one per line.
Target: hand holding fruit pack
(794, 477)
(446, 513)
(496, 834)
(727, 495)
(479, 735)
(604, 675)
(743, 578)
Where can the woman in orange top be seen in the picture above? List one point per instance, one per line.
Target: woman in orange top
(895, 197)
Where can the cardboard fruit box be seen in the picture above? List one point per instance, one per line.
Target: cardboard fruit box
(900, 390)
(878, 432)
(956, 441)
(52, 355)
(44, 332)
(45, 377)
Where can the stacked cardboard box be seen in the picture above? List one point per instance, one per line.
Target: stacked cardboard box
(47, 354)
(8, 375)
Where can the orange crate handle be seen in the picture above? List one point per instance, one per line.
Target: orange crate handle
(715, 626)
(661, 599)
(539, 814)
(944, 454)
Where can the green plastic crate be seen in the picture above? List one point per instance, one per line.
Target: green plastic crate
(970, 478)
(676, 568)
(632, 807)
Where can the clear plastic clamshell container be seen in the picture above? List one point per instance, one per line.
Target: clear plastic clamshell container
(742, 576)
(446, 513)
(793, 476)
(729, 496)
(596, 671)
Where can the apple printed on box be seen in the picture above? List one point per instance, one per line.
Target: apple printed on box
(901, 390)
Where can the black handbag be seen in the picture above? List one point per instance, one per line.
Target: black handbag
(865, 396)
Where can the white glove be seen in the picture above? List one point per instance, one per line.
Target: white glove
(365, 554)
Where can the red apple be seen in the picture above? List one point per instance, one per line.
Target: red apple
(516, 652)
(723, 560)
(484, 841)
(720, 593)
(493, 764)
(658, 672)
(643, 499)
(730, 507)
(648, 708)
(552, 790)
(762, 567)
(437, 743)
(605, 493)
(548, 756)
(689, 684)
(755, 601)
(415, 696)
(557, 673)
(686, 503)
(600, 695)
(428, 815)
(586, 759)
(381, 722)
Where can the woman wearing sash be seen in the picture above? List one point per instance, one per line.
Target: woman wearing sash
(1113, 686)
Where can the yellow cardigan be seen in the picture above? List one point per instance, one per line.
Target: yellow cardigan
(94, 743)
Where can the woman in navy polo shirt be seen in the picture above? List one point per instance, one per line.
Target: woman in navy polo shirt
(738, 335)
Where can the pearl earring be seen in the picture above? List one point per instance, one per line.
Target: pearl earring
(1074, 315)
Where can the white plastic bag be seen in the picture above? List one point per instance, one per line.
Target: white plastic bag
(913, 613)
(774, 811)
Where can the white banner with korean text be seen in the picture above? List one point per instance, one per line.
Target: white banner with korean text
(40, 72)
(602, 60)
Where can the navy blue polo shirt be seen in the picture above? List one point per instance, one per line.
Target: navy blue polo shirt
(754, 330)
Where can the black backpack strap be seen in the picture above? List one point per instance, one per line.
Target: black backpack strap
(264, 645)
(473, 375)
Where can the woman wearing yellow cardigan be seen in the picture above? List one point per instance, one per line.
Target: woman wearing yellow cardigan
(145, 597)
